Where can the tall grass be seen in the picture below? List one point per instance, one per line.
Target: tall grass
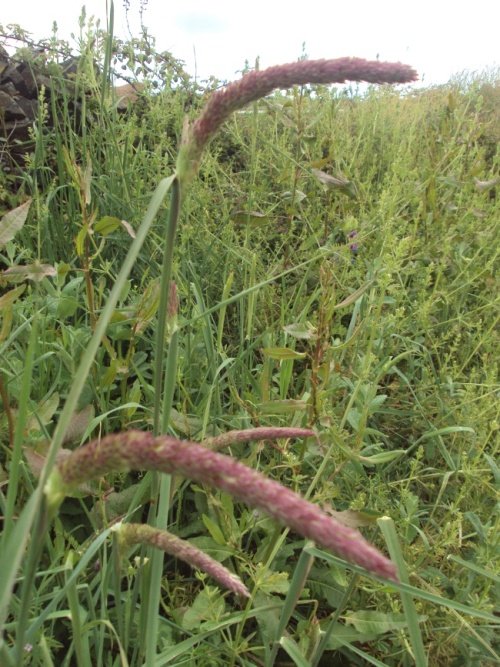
(336, 266)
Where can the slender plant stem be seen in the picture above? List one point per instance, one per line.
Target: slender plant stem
(166, 276)
(160, 423)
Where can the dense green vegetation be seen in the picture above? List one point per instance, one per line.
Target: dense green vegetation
(336, 264)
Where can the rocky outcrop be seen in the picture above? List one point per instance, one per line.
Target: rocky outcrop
(21, 79)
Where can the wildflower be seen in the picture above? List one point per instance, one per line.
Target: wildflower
(353, 234)
(354, 247)
(138, 450)
(257, 84)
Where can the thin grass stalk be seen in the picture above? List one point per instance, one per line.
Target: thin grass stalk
(17, 450)
(80, 637)
(391, 537)
(297, 583)
(222, 315)
(108, 54)
(10, 558)
(84, 562)
(44, 650)
(323, 644)
(35, 549)
(166, 277)
(164, 392)
(117, 558)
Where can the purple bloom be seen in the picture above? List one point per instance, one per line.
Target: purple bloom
(353, 234)
(353, 247)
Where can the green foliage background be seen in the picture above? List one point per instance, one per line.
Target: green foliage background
(337, 267)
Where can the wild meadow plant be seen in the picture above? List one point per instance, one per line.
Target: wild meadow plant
(64, 472)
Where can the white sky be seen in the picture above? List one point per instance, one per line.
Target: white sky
(215, 37)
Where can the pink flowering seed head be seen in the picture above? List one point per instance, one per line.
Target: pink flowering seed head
(137, 450)
(255, 434)
(137, 533)
(257, 84)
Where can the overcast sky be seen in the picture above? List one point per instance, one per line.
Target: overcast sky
(216, 37)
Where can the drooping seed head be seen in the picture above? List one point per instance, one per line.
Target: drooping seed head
(142, 451)
(257, 84)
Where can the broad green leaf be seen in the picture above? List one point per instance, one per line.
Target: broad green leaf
(382, 457)
(214, 530)
(80, 241)
(376, 402)
(219, 552)
(106, 225)
(115, 505)
(109, 224)
(342, 635)
(206, 607)
(282, 353)
(302, 330)
(87, 180)
(377, 622)
(47, 408)
(12, 296)
(250, 218)
(12, 222)
(274, 582)
(281, 407)
(148, 307)
(353, 518)
(79, 423)
(66, 307)
(294, 197)
(36, 272)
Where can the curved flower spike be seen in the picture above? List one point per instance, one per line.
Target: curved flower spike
(136, 450)
(260, 83)
(138, 533)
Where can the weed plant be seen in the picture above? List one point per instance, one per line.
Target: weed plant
(336, 271)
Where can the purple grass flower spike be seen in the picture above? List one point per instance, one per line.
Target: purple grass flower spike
(353, 234)
(257, 84)
(136, 450)
(353, 247)
(137, 533)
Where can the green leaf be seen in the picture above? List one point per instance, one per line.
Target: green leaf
(281, 407)
(354, 296)
(294, 652)
(36, 272)
(109, 224)
(12, 222)
(206, 607)
(301, 330)
(219, 552)
(282, 353)
(377, 622)
(250, 218)
(274, 582)
(353, 518)
(10, 297)
(214, 530)
(342, 635)
(116, 505)
(382, 457)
